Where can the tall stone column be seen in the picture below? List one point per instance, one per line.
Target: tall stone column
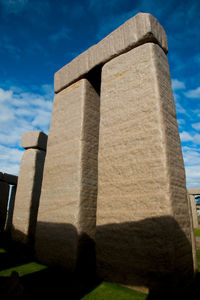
(67, 212)
(194, 211)
(143, 229)
(29, 187)
(4, 194)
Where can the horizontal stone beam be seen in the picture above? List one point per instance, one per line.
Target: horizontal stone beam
(138, 30)
(34, 140)
(10, 179)
(194, 191)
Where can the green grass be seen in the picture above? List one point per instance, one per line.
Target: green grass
(22, 270)
(111, 291)
(197, 232)
(2, 250)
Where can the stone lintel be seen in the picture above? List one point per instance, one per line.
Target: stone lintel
(34, 139)
(194, 191)
(9, 178)
(140, 29)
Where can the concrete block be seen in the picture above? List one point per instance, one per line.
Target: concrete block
(28, 195)
(67, 212)
(34, 139)
(4, 193)
(194, 211)
(138, 30)
(194, 191)
(143, 234)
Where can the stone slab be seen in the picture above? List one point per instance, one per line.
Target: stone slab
(4, 194)
(143, 234)
(9, 178)
(28, 195)
(138, 30)
(11, 209)
(194, 191)
(193, 238)
(67, 212)
(194, 211)
(34, 139)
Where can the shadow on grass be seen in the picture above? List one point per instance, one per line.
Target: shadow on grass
(153, 252)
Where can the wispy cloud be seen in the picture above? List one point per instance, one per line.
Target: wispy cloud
(14, 6)
(21, 111)
(191, 156)
(193, 93)
(177, 84)
(63, 33)
(196, 126)
(188, 137)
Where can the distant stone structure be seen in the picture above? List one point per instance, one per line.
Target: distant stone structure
(126, 180)
(7, 182)
(29, 187)
(192, 193)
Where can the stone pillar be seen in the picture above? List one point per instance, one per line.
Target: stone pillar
(4, 194)
(11, 209)
(29, 187)
(143, 229)
(194, 211)
(67, 213)
(193, 238)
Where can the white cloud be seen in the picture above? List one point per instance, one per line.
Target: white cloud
(191, 156)
(193, 175)
(188, 137)
(185, 136)
(5, 95)
(21, 112)
(177, 84)
(193, 93)
(196, 126)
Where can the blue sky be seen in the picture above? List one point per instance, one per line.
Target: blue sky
(39, 37)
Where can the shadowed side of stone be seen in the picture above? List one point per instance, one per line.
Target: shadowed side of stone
(29, 188)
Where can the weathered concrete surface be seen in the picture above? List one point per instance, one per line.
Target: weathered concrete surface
(193, 238)
(138, 30)
(34, 139)
(194, 211)
(143, 228)
(194, 191)
(67, 212)
(4, 193)
(28, 195)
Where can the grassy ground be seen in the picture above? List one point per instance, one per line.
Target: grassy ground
(110, 291)
(21, 275)
(197, 232)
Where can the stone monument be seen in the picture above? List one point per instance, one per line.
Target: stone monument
(29, 187)
(134, 161)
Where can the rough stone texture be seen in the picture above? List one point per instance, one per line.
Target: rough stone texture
(34, 139)
(194, 191)
(4, 193)
(67, 212)
(143, 233)
(194, 211)
(28, 195)
(138, 30)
